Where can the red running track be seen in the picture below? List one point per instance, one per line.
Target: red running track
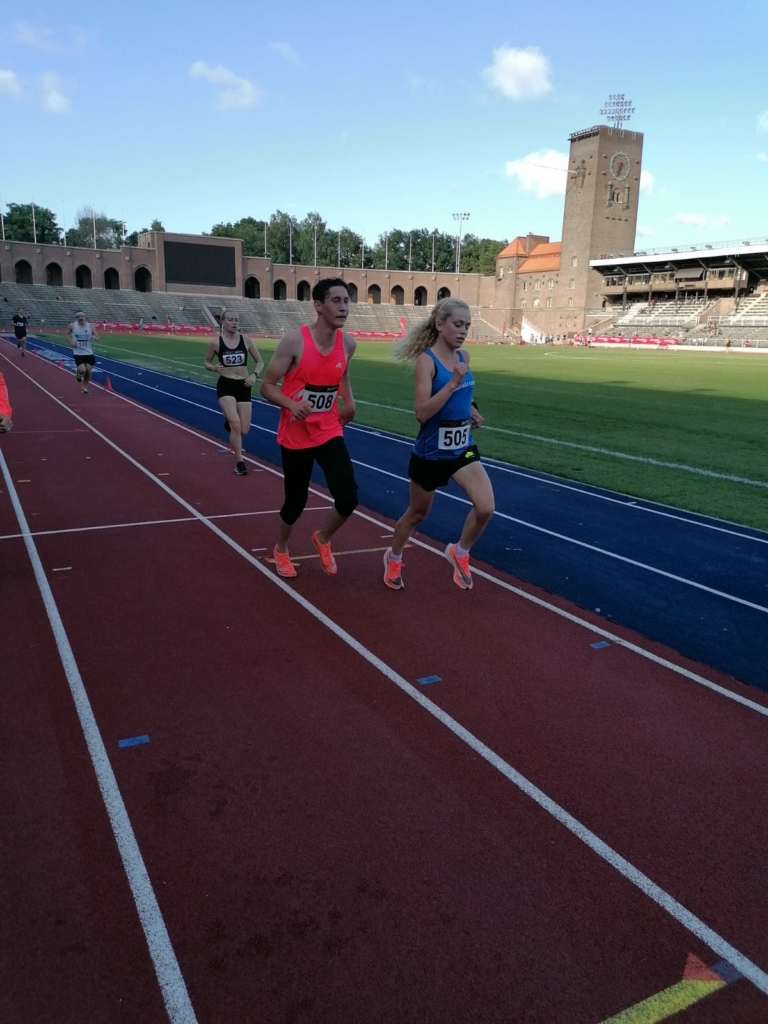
(320, 846)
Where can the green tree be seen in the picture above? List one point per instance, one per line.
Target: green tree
(250, 230)
(109, 232)
(18, 224)
(156, 225)
(478, 255)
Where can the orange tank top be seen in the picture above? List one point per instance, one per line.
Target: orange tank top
(315, 378)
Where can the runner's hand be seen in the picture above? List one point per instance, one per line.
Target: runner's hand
(347, 413)
(301, 410)
(250, 380)
(476, 419)
(5, 424)
(459, 373)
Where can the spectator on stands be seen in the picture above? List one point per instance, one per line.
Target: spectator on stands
(728, 343)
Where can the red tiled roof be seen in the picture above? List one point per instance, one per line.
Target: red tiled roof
(542, 258)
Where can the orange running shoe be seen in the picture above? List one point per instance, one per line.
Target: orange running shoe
(393, 576)
(462, 575)
(327, 560)
(283, 564)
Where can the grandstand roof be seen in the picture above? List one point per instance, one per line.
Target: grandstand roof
(751, 255)
(543, 257)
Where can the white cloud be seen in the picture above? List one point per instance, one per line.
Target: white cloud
(700, 220)
(9, 83)
(519, 74)
(762, 121)
(234, 93)
(41, 37)
(647, 181)
(544, 172)
(287, 52)
(54, 100)
(645, 230)
(763, 158)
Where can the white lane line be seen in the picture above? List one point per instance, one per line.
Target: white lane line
(63, 568)
(643, 882)
(590, 547)
(591, 627)
(167, 970)
(157, 522)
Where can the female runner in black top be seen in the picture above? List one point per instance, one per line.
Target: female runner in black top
(233, 387)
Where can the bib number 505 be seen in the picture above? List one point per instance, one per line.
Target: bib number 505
(451, 438)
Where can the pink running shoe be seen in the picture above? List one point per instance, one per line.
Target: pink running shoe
(393, 571)
(462, 574)
(327, 560)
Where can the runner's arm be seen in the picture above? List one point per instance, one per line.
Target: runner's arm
(5, 407)
(347, 413)
(425, 404)
(287, 351)
(208, 362)
(94, 334)
(257, 358)
(68, 335)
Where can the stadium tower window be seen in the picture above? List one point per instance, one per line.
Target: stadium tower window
(420, 296)
(550, 284)
(54, 275)
(574, 261)
(397, 296)
(572, 284)
(536, 303)
(252, 288)
(374, 295)
(23, 272)
(443, 293)
(278, 291)
(142, 280)
(570, 303)
(523, 304)
(549, 303)
(352, 289)
(303, 292)
(112, 279)
(537, 286)
(83, 278)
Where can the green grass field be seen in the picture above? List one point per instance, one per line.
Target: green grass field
(702, 411)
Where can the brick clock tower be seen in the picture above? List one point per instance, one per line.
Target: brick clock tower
(600, 215)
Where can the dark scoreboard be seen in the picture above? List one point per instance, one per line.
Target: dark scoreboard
(198, 263)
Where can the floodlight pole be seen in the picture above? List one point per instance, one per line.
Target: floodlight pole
(460, 217)
(34, 226)
(386, 250)
(617, 109)
(433, 251)
(315, 244)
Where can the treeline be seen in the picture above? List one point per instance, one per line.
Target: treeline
(286, 239)
(282, 238)
(27, 222)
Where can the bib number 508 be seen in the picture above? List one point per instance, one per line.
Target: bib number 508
(321, 401)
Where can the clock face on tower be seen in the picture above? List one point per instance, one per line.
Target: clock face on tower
(620, 165)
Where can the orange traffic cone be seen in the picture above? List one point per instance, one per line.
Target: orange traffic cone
(108, 385)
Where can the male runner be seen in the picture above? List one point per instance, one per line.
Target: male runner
(313, 362)
(20, 322)
(80, 335)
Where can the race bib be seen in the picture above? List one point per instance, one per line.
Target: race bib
(453, 434)
(320, 396)
(233, 359)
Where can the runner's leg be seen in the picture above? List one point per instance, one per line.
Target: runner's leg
(334, 460)
(475, 482)
(297, 472)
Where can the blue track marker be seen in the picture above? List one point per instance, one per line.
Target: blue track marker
(134, 741)
(428, 679)
(600, 643)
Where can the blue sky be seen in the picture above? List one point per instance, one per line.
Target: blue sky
(377, 121)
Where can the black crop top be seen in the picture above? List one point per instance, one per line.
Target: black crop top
(233, 356)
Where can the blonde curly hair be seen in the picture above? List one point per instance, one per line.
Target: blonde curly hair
(425, 333)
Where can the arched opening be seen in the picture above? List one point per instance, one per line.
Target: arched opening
(352, 289)
(54, 275)
(420, 296)
(252, 288)
(397, 296)
(303, 292)
(374, 295)
(23, 272)
(83, 277)
(443, 293)
(142, 280)
(278, 290)
(112, 279)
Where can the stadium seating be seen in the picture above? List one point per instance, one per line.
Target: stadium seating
(266, 317)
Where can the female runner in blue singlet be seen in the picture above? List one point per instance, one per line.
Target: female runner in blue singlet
(233, 388)
(445, 448)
